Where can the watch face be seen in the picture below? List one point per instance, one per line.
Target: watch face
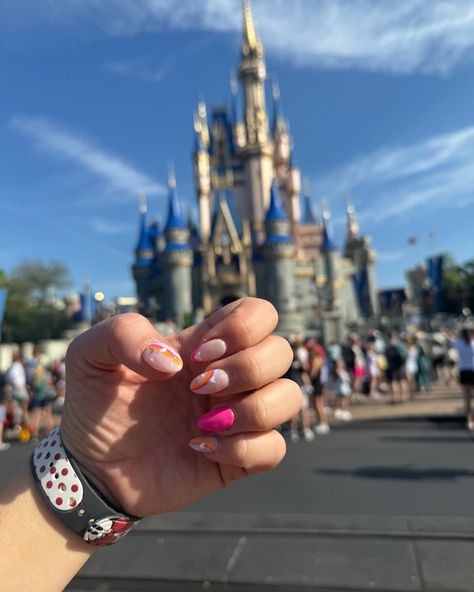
(108, 530)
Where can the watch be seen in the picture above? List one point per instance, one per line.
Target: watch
(72, 498)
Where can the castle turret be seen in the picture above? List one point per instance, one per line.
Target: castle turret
(278, 253)
(257, 154)
(177, 260)
(202, 170)
(280, 132)
(329, 252)
(238, 128)
(144, 253)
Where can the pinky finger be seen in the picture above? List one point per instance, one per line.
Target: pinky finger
(254, 452)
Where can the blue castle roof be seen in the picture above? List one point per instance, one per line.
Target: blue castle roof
(145, 246)
(275, 212)
(307, 213)
(175, 214)
(329, 244)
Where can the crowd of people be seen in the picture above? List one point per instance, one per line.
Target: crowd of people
(398, 366)
(331, 378)
(29, 390)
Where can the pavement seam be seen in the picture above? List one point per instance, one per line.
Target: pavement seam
(239, 547)
(418, 564)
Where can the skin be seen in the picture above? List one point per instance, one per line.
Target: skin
(128, 427)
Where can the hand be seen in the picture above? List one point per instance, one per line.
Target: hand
(129, 413)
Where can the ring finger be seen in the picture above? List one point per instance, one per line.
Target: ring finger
(259, 411)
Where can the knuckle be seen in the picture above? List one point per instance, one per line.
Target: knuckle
(260, 415)
(241, 448)
(252, 373)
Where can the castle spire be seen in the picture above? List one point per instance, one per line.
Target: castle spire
(251, 44)
(144, 249)
(352, 224)
(329, 244)
(175, 215)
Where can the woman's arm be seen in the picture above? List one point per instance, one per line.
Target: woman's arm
(36, 551)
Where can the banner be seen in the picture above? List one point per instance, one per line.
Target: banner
(435, 279)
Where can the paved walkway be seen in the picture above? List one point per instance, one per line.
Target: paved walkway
(440, 401)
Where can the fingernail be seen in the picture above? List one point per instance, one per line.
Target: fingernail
(209, 351)
(216, 420)
(210, 382)
(162, 357)
(204, 444)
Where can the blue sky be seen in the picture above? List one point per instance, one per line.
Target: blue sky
(97, 98)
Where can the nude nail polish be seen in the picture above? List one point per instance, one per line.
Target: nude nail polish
(209, 351)
(217, 420)
(210, 382)
(204, 444)
(162, 357)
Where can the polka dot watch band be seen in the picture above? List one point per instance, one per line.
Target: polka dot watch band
(72, 498)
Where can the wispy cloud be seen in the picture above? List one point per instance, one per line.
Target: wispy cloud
(398, 36)
(140, 70)
(390, 256)
(108, 228)
(119, 177)
(148, 69)
(415, 179)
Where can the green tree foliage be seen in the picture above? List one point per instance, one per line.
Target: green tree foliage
(458, 285)
(32, 313)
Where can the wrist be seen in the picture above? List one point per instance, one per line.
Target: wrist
(75, 500)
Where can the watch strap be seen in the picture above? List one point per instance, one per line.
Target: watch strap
(72, 498)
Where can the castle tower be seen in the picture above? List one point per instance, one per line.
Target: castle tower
(257, 154)
(238, 128)
(202, 171)
(144, 253)
(330, 255)
(176, 260)
(278, 254)
(330, 292)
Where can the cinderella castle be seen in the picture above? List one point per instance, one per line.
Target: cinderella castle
(256, 235)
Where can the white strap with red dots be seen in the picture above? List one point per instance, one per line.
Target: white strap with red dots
(72, 498)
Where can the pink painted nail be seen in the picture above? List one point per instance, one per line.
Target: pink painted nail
(162, 357)
(210, 382)
(204, 444)
(209, 351)
(216, 420)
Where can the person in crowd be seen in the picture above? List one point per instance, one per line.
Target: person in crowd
(411, 365)
(297, 373)
(144, 435)
(425, 367)
(343, 391)
(3, 413)
(452, 360)
(396, 354)
(318, 368)
(360, 371)
(16, 379)
(465, 348)
(373, 369)
(41, 405)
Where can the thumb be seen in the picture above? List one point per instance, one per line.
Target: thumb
(129, 340)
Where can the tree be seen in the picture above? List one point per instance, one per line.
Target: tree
(458, 283)
(32, 312)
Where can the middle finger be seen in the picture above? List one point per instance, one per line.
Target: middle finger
(245, 370)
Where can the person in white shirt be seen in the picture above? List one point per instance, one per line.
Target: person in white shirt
(16, 378)
(465, 349)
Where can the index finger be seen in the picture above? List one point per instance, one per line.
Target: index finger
(240, 325)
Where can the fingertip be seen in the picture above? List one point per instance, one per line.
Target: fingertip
(162, 357)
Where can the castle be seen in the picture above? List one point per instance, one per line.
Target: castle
(256, 235)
